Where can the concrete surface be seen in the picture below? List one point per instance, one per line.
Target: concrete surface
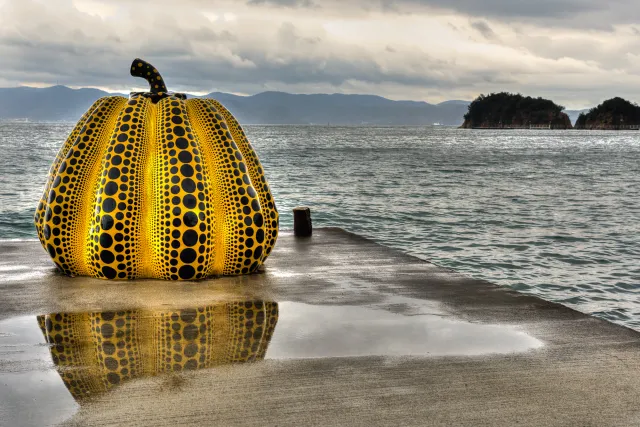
(366, 336)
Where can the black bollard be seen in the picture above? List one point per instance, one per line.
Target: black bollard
(302, 222)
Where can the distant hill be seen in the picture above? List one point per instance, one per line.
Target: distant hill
(51, 103)
(63, 103)
(514, 110)
(614, 113)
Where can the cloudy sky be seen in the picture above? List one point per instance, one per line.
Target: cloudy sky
(577, 52)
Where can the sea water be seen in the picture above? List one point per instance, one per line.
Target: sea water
(551, 213)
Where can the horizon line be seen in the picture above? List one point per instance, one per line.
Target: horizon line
(197, 94)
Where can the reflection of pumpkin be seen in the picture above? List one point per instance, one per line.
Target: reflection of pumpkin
(96, 351)
(157, 186)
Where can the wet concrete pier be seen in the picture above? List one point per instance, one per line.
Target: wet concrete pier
(336, 330)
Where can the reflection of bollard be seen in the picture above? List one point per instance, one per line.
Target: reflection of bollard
(302, 222)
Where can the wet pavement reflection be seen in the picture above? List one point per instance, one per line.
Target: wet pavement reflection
(92, 353)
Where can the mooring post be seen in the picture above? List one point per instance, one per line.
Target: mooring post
(302, 222)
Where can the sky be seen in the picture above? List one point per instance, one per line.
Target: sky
(575, 52)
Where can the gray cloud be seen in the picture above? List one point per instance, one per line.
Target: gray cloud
(483, 28)
(374, 48)
(191, 58)
(285, 3)
(556, 13)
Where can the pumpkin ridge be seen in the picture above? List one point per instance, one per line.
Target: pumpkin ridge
(67, 210)
(148, 191)
(258, 179)
(184, 215)
(243, 216)
(110, 222)
(62, 153)
(207, 205)
(155, 219)
(196, 113)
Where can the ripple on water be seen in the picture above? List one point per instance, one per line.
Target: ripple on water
(543, 212)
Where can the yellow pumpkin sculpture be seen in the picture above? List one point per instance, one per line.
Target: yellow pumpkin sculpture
(157, 186)
(94, 352)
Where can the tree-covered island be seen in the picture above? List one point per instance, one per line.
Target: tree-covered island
(614, 113)
(508, 110)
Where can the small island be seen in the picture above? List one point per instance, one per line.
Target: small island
(513, 111)
(613, 114)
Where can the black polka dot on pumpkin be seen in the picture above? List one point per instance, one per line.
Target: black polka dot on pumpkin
(108, 205)
(182, 143)
(107, 257)
(114, 173)
(190, 219)
(190, 238)
(188, 256)
(185, 170)
(106, 222)
(189, 201)
(186, 272)
(258, 220)
(106, 240)
(185, 156)
(111, 188)
(109, 272)
(188, 185)
(257, 253)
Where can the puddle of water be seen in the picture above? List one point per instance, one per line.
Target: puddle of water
(31, 391)
(311, 331)
(49, 364)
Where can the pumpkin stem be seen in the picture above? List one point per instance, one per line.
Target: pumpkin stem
(141, 68)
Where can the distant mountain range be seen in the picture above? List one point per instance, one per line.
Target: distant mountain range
(60, 103)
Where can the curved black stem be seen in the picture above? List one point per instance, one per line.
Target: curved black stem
(141, 68)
